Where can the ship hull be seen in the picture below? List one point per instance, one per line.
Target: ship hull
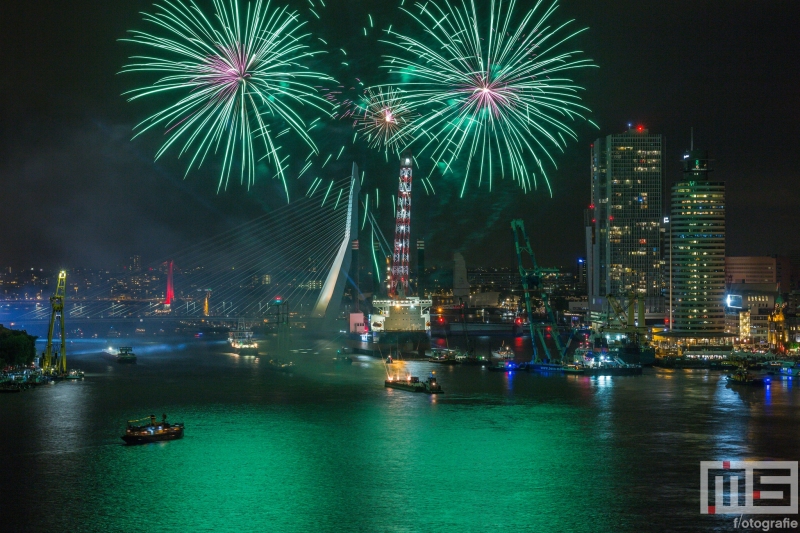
(613, 371)
(148, 439)
(418, 386)
(644, 357)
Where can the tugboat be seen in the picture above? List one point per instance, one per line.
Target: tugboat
(126, 355)
(341, 358)
(152, 432)
(506, 365)
(743, 377)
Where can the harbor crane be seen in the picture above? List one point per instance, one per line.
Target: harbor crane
(532, 282)
(617, 320)
(57, 363)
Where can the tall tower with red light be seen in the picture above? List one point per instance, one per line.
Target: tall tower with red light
(398, 283)
(170, 288)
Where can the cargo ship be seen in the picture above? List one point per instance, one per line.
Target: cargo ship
(152, 432)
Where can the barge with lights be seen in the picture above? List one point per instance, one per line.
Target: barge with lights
(413, 384)
(152, 432)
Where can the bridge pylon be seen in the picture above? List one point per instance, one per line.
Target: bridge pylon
(50, 363)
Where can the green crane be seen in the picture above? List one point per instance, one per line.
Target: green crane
(57, 365)
(531, 281)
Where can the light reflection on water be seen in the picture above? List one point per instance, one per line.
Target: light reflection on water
(328, 448)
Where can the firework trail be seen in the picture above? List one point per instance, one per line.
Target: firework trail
(382, 118)
(487, 91)
(236, 81)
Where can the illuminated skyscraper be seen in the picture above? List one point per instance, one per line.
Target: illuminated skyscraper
(623, 223)
(697, 255)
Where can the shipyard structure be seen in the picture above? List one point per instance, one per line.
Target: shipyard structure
(401, 316)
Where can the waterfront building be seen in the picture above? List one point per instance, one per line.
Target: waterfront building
(748, 311)
(623, 251)
(697, 251)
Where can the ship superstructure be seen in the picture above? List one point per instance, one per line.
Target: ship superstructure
(401, 312)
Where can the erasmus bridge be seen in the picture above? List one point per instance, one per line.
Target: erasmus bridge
(295, 259)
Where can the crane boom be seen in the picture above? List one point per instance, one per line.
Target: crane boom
(531, 280)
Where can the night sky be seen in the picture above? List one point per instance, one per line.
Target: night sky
(78, 192)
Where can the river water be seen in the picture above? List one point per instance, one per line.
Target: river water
(328, 448)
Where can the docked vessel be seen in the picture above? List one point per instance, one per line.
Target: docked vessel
(152, 432)
(574, 369)
(544, 367)
(126, 355)
(504, 352)
(607, 364)
(71, 375)
(635, 353)
(504, 366)
(241, 340)
(446, 356)
(783, 369)
(413, 384)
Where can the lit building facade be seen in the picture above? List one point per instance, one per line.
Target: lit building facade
(623, 223)
(748, 311)
(697, 255)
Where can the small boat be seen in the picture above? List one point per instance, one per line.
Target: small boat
(280, 366)
(743, 377)
(475, 360)
(152, 432)
(126, 355)
(504, 366)
(72, 375)
(446, 356)
(574, 369)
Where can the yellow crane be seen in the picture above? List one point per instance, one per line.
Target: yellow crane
(58, 364)
(625, 322)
